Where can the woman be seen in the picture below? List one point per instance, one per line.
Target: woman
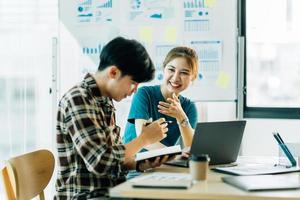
(153, 102)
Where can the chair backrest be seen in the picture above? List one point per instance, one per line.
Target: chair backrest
(26, 176)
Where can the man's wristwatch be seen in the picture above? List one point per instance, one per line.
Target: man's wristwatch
(184, 122)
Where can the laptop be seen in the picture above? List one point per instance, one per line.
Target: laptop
(220, 140)
(263, 182)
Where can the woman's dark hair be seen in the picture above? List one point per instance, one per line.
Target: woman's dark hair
(130, 57)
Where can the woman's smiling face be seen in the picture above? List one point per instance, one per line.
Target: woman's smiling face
(177, 75)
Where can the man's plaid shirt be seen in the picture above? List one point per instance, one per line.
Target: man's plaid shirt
(90, 151)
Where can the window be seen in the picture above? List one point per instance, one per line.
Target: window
(272, 58)
(26, 32)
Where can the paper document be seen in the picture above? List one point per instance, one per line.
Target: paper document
(256, 169)
(163, 180)
(152, 154)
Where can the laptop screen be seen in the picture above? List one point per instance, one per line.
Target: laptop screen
(220, 140)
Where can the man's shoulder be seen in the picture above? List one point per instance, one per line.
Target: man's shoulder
(75, 92)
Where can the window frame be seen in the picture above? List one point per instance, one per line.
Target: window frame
(259, 112)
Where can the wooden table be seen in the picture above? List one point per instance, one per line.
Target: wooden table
(212, 189)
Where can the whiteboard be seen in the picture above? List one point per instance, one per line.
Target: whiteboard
(208, 26)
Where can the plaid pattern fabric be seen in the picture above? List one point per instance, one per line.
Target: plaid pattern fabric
(90, 151)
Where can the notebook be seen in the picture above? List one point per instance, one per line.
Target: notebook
(152, 154)
(163, 180)
(220, 140)
(263, 182)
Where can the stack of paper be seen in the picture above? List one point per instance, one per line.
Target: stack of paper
(163, 180)
(256, 169)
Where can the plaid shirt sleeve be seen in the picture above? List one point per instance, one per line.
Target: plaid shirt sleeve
(97, 141)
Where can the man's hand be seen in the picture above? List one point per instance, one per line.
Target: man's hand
(185, 153)
(154, 132)
(156, 163)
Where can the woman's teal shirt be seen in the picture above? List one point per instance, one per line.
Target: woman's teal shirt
(144, 106)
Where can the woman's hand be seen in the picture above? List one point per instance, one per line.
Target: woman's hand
(172, 108)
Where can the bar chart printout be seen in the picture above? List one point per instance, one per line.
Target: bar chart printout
(210, 56)
(197, 16)
(91, 11)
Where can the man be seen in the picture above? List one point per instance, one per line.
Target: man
(91, 156)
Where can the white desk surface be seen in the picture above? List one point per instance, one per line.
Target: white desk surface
(212, 189)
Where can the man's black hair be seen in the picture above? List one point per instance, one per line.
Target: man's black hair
(130, 57)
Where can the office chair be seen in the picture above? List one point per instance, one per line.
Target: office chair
(26, 176)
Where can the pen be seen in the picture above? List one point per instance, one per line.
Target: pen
(284, 149)
(279, 137)
(168, 122)
(290, 156)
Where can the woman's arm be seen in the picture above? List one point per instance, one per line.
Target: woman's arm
(173, 108)
(187, 132)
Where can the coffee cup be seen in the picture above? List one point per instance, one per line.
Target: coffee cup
(199, 166)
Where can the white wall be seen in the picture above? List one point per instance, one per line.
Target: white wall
(258, 139)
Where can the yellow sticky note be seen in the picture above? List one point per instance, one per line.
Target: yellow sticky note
(171, 34)
(146, 34)
(223, 80)
(210, 3)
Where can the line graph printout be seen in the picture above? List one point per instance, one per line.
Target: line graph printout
(150, 10)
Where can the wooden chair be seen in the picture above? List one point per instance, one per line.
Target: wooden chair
(26, 176)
